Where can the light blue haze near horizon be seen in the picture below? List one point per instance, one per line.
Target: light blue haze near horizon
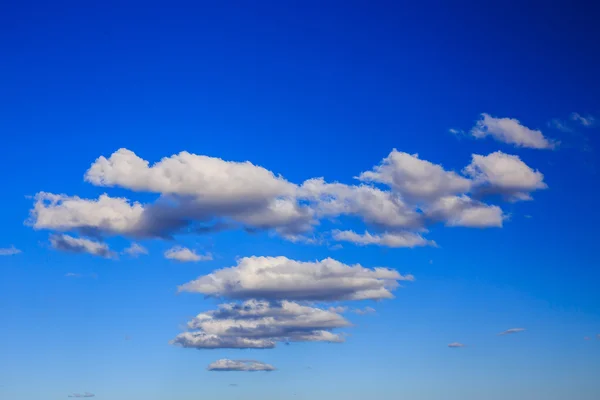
(305, 90)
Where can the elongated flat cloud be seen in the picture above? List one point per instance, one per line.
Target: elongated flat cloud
(183, 254)
(511, 131)
(364, 311)
(416, 179)
(456, 345)
(280, 278)
(86, 394)
(260, 325)
(71, 244)
(9, 251)
(240, 365)
(505, 174)
(511, 331)
(585, 121)
(395, 239)
(135, 250)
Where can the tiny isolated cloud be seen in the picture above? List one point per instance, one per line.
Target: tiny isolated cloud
(583, 120)
(183, 254)
(72, 275)
(511, 331)
(394, 239)
(135, 250)
(70, 244)
(364, 311)
(226, 365)
(9, 251)
(86, 394)
(511, 131)
(456, 345)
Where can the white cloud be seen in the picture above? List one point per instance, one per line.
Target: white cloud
(456, 345)
(135, 250)
(364, 311)
(511, 331)
(9, 251)
(86, 394)
(283, 278)
(466, 212)
(505, 174)
(585, 121)
(261, 324)
(416, 179)
(184, 254)
(240, 365)
(394, 239)
(511, 131)
(70, 244)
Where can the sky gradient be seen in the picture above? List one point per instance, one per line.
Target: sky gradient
(303, 91)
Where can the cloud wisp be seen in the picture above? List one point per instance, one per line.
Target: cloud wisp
(135, 250)
(71, 244)
(511, 331)
(9, 251)
(227, 365)
(183, 254)
(456, 345)
(86, 394)
(511, 131)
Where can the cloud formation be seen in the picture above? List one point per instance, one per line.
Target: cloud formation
(585, 121)
(456, 345)
(280, 278)
(364, 311)
(71, 244)
(86, 394)
(240, 365)
(183, 254)
(135, 250)
(511, 131)
(9, 251)
(395, 239)
(260, 325)
(511, 331)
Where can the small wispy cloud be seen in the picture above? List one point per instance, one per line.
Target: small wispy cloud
(583, 120)
(226, 365)
(511, 331)
(71, 244)
(587, 338)
(135, 250)
(456, 345)
(559, 125)
(86, 394)
(9, 251)
(183, 254)
(364, 311)
(78, 275)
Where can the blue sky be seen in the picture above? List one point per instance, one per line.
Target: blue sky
(303, 90)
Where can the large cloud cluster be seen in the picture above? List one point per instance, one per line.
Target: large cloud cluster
(396, 200)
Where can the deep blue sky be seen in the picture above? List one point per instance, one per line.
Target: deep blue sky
(305, 89)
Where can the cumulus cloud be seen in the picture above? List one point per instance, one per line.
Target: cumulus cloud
(86, 394)
(240, 365)
(505, 174)
(279, 278)
(135, 250)
(260, 325)
(416, 179)
(466, 212)
(395, 239)
(184, 254)
(511, 331)
(585, 121)
(511, 131)
(456, 345)
(9, 251)
(71, 244)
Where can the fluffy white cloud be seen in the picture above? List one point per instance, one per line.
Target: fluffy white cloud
(511, 131)
(505, 174)
(9, 251)
(585, 121)
(71, 244)
(466, 212)
(416, 179)
(240, 365)
(395, 239)
(135, 250)
(261, 324)
(456, 345)
(282, 278)
(511, 331)
(184, 254)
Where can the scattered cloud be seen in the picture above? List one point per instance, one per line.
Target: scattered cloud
(396, 239)
(585, 121)
(559, 125)
(280, 278)
(135, 250)
(9, 251)
(364, 311)
(71, 244)
(466, 212)
(456, 345)
(183, 254)
(86, 394)
(73, 275)
(500, 173)
(456, 131)
(511, 131)
(239, 365)
(511, 331)
(260, 325)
